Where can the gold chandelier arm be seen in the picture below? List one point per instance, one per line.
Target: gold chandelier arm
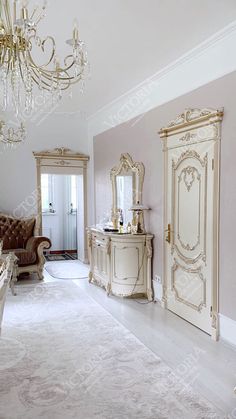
(43, 43)
(41, 80)
(41, 77)
(44, 79)
(44, 87)
(52, 72)
(65, 82)
(49, 74)
(67, 65)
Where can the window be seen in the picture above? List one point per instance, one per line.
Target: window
(47, 192)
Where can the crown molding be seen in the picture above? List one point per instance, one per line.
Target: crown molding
(208, 61)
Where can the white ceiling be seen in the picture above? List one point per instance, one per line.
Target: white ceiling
(130, 40)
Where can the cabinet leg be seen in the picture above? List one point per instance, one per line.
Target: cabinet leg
(108, 290)
(14, 280)
(150, 295)
(164, 303)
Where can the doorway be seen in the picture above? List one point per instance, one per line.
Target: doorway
(62, 202)
(60, 215)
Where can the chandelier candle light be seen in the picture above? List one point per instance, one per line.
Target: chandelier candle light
(19, 41)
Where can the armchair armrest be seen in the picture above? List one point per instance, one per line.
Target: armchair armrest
(37, 245)
(34, 243)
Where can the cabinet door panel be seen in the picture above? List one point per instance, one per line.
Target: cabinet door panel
(104, 261)
(95, 257)
(127, 264)
(100, 260)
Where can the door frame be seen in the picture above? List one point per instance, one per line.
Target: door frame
(63, 161)
(189, 120)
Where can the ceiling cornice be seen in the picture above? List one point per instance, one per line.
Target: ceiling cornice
(208, 61)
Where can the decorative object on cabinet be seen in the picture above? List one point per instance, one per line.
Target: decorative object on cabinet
(138, 210)
(127, 187)
(121, 263)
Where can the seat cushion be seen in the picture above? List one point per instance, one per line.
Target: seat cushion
(25, 257)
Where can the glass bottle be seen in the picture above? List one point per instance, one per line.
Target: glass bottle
(121, 222)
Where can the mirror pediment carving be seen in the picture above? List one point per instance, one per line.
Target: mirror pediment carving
(63, 152)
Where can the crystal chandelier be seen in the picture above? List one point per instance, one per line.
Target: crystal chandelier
(19, 43)
(11, 136)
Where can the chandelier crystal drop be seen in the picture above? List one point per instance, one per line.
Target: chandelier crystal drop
(12, 136)
(20, 44)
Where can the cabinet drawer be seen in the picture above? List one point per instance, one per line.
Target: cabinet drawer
(101, 243)
(99, 240)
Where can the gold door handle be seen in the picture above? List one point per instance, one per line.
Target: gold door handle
(168, 235)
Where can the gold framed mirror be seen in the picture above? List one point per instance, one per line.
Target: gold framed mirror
(127, 186)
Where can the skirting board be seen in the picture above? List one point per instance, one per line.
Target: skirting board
(228, 329)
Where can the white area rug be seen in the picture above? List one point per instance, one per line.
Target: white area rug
(70, 269)
(62, 356)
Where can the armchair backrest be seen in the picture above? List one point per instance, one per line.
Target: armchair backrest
(15, 232)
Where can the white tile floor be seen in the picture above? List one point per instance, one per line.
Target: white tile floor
(209, 367)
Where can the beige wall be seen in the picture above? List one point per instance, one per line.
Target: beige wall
(139, 138)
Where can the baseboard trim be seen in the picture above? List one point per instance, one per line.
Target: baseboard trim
(227, 329)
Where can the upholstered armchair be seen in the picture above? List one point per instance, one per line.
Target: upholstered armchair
(20, 237)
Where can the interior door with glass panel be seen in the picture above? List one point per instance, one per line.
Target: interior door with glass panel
(71, 215)
(191, 212)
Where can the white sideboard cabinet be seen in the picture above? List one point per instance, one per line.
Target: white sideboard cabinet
(121, 263)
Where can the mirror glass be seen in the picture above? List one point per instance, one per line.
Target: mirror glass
(127, 187)
(124, 188)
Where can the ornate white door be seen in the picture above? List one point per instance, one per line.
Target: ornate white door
(191, 148)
